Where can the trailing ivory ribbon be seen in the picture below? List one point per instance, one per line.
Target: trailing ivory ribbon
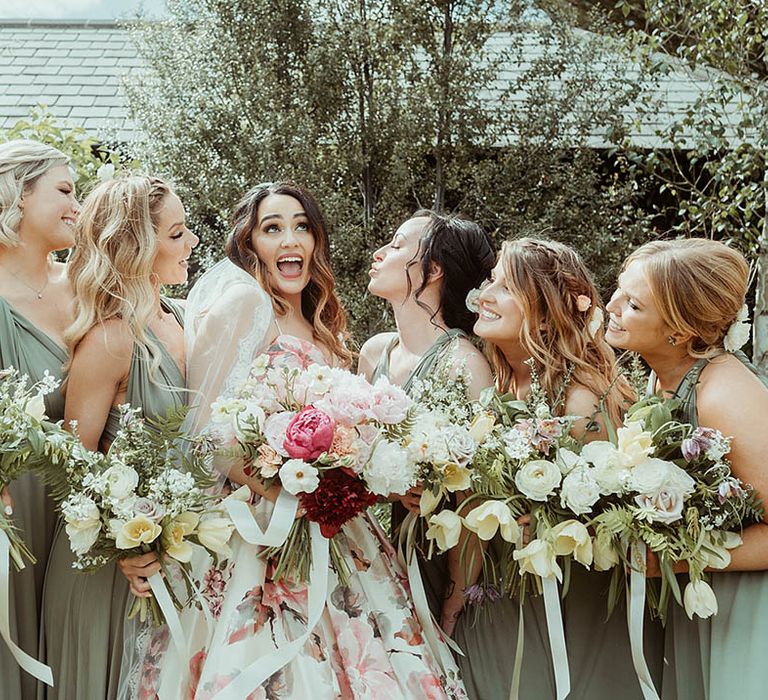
(280, 521)
(635, 615)
(517, 669)
(170, 613)
(251, 677)
(29, 664)
(409, 561)
(556, 637)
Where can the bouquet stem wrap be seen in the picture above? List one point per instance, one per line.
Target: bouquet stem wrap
(635, 614)
(30, 665)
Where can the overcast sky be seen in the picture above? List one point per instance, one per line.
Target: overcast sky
(77, 9)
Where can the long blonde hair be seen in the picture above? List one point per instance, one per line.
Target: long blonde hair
(319, 303)
(111, 266)
(22, 163)
(547, 277)
(699, 287)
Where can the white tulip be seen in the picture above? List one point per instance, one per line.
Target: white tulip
(572, 537)
(444, 529)
(538, 558)
(486, 519)
(699, 599)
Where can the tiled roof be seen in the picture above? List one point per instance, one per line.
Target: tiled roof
(76, 68)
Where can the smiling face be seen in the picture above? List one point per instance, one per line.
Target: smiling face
(500, 317)
(174, 242)
(635, 322)
(389, 271)
(284, 243)
(50, 210)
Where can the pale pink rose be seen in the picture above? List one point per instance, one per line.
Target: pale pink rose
(662, 507)
(309, 434)
(274, 430)
(389, 403)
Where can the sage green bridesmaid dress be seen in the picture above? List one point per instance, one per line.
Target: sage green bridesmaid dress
(28, 349)
(725, 656)
(84, 613)
(487, 636)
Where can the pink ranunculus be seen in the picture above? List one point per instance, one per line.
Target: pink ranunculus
(389, 403)
(309, 434)
(274, 430)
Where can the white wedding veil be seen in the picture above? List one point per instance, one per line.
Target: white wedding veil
(227, 323)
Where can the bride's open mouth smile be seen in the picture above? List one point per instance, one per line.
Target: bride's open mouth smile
(290, 266)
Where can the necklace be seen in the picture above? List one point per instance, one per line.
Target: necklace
(38, 292)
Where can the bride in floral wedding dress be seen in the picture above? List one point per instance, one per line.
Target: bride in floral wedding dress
(250, 636)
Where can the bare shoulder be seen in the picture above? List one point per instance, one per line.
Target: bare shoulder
(581, 401)
(468, 356)
(107, 342)
(371, 352)
(730, 394)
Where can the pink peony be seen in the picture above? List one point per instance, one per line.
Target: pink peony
(309, 434)
(348, 406)
(389, 403)
(274, 430)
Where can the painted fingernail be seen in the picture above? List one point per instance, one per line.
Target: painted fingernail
(8, 510)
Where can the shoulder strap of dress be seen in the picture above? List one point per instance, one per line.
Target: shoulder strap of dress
(431, 357)
(174, 308)
(382, 366)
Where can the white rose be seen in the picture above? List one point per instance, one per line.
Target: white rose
(487, 518)
(662, 507)
(568, 460)
(83, 522)
(572, 537)
(297, 476)
(538, 558)
(444, 529)
(580, 491)
(120, 481)
(214, 532)
(649, 476)
(538, 479)
(35, 407)
(609, 472)
(699, 599)
(604, 553)
(634, 444)
(387, 471)
(461, 445)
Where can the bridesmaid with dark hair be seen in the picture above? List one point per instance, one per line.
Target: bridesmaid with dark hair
(426, 272)
(38, 211)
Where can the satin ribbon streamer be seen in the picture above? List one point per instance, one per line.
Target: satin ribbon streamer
(556, 636)
(260, 670)
(280, 522)
(429, 627)
(31, 665)
(635, 615)
(168, 609)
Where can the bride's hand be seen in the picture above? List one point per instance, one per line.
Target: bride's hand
(524, 522)
(137, 570)
(7, 501)
(411, 500)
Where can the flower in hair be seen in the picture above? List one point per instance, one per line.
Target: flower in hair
(106, 172)
(583, 302)
(738, 332)
(473, 300)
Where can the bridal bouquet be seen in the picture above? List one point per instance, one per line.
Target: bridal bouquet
(667, 485)
(27, 440)
(522, 467)
(328, 437)
(144, 495)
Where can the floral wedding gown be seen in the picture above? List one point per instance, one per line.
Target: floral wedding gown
(368, 644)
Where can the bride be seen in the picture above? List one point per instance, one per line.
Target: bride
(279, 639)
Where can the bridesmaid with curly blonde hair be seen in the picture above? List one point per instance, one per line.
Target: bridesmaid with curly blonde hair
(127, 345)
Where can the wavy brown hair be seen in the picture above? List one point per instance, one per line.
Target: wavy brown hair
(547, 277)
(699, 287)
(111, 266)
(319, 302)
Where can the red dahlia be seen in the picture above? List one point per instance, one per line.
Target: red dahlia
(339, 497)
